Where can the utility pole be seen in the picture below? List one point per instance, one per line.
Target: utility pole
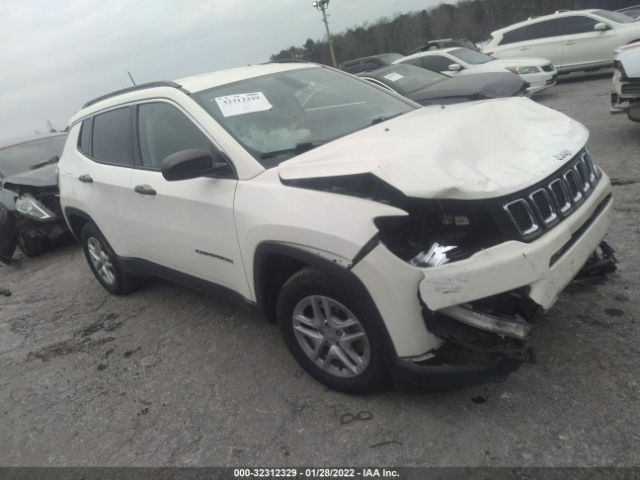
(322, 5)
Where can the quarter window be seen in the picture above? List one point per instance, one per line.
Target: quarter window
(112, 138)
(84, 145)
(164, 130)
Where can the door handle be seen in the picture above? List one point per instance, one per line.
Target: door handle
(570, 42)
(524, 49)
(85, 178)
(144, 190)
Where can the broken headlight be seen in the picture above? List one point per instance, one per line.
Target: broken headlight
(436, 233)
(30, 207)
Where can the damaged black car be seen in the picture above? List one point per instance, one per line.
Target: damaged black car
(30, 214)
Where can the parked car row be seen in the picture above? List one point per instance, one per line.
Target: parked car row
(537, 49)
(537, 72)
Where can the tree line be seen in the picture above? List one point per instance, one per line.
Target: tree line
(472, 19)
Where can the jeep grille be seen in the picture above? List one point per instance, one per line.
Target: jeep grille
(541, 207)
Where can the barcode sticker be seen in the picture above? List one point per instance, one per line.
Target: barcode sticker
(243, 103)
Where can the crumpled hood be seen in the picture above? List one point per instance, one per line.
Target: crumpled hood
(40, 177)
(466, 151)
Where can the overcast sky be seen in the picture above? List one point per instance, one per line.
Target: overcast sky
(57, 54)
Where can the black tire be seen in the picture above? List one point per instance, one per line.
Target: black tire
(33, 245)
(123, 283)
(312, 281)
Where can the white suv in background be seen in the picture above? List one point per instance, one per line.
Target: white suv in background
(387, 240)
(571, 40)
(626, 81)
(539, 73)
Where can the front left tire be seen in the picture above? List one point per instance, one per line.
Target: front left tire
(330, 332)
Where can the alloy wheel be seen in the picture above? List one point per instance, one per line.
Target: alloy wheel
(331, 336)
(101, 261)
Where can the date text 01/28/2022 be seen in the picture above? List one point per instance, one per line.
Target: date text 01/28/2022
(315, 473)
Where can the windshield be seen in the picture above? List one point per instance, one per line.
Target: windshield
(18, 158)
(617, 17)
(280, 115)
(390, 57)
(470, 56)
(407, 79)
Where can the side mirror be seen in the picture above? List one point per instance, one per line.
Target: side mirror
(193, 163)
(455, 67)
(600, 27)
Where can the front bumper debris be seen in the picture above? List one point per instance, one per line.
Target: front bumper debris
(444, 372)
(486, 339)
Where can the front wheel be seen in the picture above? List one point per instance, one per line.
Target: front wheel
(104, 263)
(327, 330)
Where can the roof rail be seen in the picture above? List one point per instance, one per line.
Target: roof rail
(142, 86)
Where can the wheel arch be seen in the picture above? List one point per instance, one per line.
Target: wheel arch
(77, 219)
(275, 262)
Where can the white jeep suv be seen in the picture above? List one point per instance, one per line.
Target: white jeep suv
(571, 40)
(388, 241)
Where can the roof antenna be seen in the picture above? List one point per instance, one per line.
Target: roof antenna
(132, 80)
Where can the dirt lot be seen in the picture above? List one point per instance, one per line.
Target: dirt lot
(168, 376)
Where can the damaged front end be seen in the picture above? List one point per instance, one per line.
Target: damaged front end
(460, 282)
(485, 341)
(31, 216)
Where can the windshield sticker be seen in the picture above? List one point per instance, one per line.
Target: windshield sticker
(243, 103)
(394, 77)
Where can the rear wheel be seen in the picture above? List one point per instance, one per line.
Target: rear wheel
(328, 332)
(104, 262)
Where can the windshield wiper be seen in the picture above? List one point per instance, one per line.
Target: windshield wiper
(384, 118)
(48, 161)
(297, 150)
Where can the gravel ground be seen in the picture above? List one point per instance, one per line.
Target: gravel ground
(168, 376)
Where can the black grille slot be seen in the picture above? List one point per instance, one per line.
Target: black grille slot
(522, 216)
(542, 201)
(583, 174)
(593, 171)
(561, 195)
(574, 185)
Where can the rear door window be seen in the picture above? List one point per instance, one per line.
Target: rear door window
(113, 138)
